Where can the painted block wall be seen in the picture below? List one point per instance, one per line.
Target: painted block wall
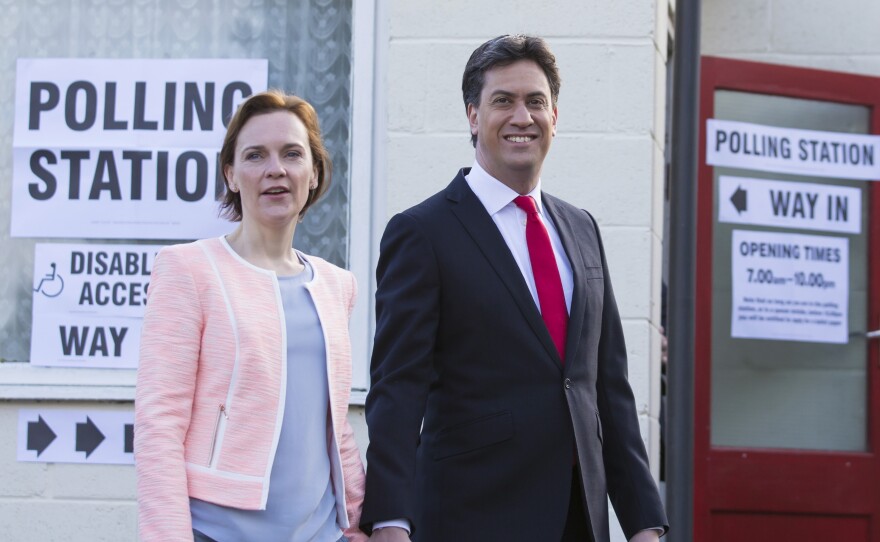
(838, 36)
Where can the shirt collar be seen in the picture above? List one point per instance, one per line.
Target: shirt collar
(495, 195)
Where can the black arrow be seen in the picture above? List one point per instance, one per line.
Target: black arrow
(88, 437)
(738, 199)
(39, 436)
(129, 438)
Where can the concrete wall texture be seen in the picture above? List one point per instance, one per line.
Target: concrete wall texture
(838, 36)
(607, 158)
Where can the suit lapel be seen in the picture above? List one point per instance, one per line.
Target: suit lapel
(576, 258)
(482, 229)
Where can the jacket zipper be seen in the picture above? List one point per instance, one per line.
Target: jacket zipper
(221, 417)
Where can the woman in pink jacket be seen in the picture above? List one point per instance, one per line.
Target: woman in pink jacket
(245, 368)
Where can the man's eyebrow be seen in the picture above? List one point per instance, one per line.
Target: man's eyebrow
(502, 92)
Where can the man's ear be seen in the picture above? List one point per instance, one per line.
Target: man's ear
(472, 118)
(555, 116)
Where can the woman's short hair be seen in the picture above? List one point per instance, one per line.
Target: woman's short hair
(261, 104)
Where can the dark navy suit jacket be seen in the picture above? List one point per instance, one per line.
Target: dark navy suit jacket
(473, 418)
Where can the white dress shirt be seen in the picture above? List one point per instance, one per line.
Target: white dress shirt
(498, 198)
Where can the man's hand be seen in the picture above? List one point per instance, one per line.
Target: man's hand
(390, 534)
(648, 535)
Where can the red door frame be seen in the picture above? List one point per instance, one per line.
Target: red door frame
(847, 482)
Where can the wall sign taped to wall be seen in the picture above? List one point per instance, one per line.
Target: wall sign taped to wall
(124, 148)
(89, 302)
(789, 286)
(52, 435)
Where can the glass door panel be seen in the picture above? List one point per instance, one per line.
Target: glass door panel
(781, 393)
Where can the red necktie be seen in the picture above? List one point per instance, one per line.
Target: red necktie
(547, 281)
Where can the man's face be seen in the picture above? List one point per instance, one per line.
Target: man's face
(514, 123)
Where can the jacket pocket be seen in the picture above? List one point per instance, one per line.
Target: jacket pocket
(219, 427)
(473, 435)
(592, 273)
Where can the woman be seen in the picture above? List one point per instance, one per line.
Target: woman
(245, 368)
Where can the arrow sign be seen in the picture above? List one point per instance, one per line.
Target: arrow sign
(39, 435)
(788, 204)
(62, 435)
(129, 438)
(739, 200)
(88, 437)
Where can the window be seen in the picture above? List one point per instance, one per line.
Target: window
(308, 45)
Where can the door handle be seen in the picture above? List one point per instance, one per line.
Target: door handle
(873, 334)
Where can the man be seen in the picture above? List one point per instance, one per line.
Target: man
(499, 407)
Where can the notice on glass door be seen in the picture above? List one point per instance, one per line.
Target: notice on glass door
(786, 204)
(790, 287)
(745, 145)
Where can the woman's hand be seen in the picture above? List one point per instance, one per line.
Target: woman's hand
(390, 534)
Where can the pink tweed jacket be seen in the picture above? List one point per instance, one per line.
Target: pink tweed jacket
(211, 386)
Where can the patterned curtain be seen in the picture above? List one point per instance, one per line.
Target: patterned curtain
(307, 43)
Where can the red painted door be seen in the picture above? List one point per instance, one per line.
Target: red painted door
(787, 374)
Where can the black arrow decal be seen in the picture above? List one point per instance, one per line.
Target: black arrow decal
(39, 435)
(88, 437)
(739, 199)
(129, 438)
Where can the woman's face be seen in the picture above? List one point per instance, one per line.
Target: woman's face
(272, 169)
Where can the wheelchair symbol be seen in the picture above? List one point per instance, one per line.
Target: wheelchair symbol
(51, 285)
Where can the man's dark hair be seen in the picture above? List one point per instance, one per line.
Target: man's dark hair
(502, 51)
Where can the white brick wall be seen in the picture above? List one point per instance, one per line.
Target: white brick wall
(840, 35)
(483, 20)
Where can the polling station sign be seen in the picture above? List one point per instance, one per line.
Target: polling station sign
(788, 286)
(785, 204)
(787, 150)
(124, 148)
(88, 304)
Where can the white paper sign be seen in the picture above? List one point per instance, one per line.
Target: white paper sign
(825, 207)
(123, 148)
(76, 436)
(790, 287)
(788, 150)
(89, 303)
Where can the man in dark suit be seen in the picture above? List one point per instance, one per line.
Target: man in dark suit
(500, 407)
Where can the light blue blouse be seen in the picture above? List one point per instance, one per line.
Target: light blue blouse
(301, 506)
